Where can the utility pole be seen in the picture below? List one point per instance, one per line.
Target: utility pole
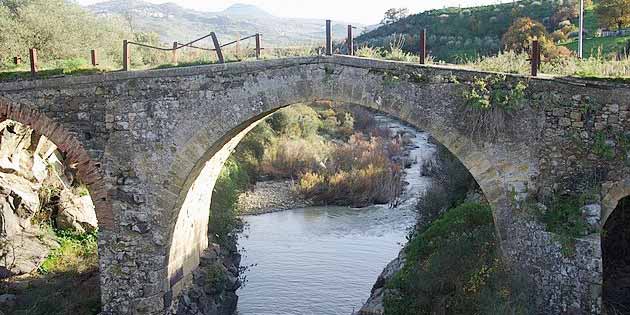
(581, 36)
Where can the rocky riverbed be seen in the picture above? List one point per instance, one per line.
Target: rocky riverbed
(270, 196)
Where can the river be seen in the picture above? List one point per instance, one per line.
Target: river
(324, 260)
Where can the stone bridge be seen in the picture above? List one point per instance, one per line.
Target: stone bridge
(150, 145)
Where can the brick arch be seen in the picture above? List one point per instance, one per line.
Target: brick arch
(202, 157)
(87, 170)
(611, 198)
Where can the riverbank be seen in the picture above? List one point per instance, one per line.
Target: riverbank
(212, 290)
(270, 196)
(278, 195)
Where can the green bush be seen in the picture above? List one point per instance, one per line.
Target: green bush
(223, 221)
(564, 218)
(454, 267)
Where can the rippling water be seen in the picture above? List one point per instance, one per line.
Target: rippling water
(324, 260)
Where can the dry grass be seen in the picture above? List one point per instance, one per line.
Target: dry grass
(597, 66)
(358, 173)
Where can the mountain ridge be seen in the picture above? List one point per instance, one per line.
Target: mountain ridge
(175, 23)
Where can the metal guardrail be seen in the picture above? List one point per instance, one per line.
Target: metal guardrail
(177, 46)
(535, 57)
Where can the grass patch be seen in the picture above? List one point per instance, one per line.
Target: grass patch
(68, 280)
(77, 253)
(600, 67)
(599, 46)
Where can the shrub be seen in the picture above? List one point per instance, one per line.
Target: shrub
(564, 218)
(369, 52)
(454, 267)
(289, 158)
(490, 102)
(223, 220)
(296, 121)
(358, 173)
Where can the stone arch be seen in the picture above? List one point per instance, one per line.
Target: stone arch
(612, 196)
(203, 158)
(87, 170)
(614, 247)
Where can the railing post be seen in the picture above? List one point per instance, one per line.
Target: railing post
(217, 47)
(535, 59)
(258, 45)
(125, 55)
(328, 38)
(94, 57)
(350, 41)
(17, 60)
(174, 53)
(423, 46)
(33, 57)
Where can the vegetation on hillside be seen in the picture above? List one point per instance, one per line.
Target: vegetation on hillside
(59, 30)
(456, 33)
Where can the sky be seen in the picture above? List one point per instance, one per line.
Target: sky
(360, 11)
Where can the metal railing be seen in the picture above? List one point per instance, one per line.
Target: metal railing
(177, 46)
(535, 52)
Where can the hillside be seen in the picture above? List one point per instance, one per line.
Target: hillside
(594, 46)
(173, 22)
(459, 33)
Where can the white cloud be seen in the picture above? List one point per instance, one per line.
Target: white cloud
(362, 11)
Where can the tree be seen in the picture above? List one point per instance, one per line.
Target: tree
(394, 15)
(522, 32)
(58, 29)
(520, 35)
(613, 13)
(14, 5)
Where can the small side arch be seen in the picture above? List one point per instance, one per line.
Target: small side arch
(86, 169)
(611, 198)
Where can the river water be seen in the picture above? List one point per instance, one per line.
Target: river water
(324, 260)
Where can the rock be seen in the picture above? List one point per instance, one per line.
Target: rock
(76, 213)
(15, 138)
(374, 304)
(592, 215)
(5, 273)
(9, 222)
(201, 298)
(28, 162)
(21, 195)
(23, 253)
(8, 300)
(270, 196)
